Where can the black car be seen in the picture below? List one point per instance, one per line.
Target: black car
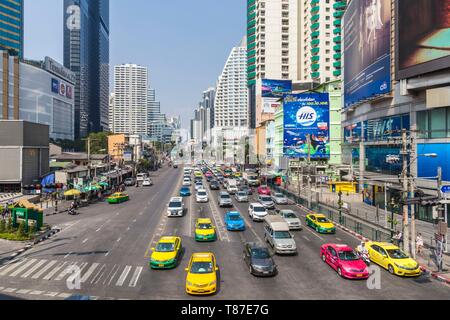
(209, 178)
(246, 189)
(214, 185)
(259, 260)
(130, 182)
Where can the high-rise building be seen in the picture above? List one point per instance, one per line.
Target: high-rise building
(112, 98)
(86, 52)
(131, 99)
(320, 40)
(11, 26)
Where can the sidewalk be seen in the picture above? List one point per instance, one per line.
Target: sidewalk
(364, 211)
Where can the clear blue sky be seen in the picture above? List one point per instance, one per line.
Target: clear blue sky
(183, 43)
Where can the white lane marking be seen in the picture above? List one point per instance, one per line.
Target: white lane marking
(33, 269)
(135, 277)
(12, 266)
(89, 272)
(55, 270)
(111, 279)
(128, 229)
(68, 269)
(10, 290)
(23, 291)
(67, 255)
(101, 227)
(123, 276)
(306, 238)
(51, 294)
(316, 235)
(134, 220)
(119, 239)
(22, 268)
(64, 295)
(107, 254)
(85, 240)
(117, 213)
(99, 275)
(338, 239)
(73, 224)
(44, 269)
(36, 292)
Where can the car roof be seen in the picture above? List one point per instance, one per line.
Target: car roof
(233, 213)
(176, 199)
(286, 211)
(204, 220)
(339, 247)
(168, 239)
(318, 215)
(224, 192)
(385, 245)
(255, 204)
(255, 245)
(202, 256)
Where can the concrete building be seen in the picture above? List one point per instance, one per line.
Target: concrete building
(38, 91)
(86, 53)
(131, 115)
(24, 150)
(11, 26)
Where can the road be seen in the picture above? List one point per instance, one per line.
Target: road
(111, 245)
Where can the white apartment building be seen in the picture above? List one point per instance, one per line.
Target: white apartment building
(130, 113)
(112, 97)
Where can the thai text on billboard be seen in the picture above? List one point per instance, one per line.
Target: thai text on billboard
(307, 114)
(367, 58)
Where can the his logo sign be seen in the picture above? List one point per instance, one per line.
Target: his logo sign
(306, 116)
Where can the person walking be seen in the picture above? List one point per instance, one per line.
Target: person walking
(419, 243)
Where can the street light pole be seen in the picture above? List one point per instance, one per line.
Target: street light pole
(405, 230)
(309, 171)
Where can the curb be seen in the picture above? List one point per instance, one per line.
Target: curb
(435, 275)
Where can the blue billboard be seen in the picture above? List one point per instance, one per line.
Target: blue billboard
(307, 114)
(428, 167)
(275, 88)
(367, 58)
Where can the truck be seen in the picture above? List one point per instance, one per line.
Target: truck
(251, 178)
(232, 186)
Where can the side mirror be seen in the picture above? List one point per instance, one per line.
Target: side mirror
(186, 269)
(217, 268)
(153, 249)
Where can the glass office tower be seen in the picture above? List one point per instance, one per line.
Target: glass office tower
(11, 26)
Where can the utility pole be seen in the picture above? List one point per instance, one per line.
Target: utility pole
(309, 171)
(89, 157)
(413, 208)
(405, 230)
(298, 178)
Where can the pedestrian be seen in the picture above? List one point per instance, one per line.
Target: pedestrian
(419, 243)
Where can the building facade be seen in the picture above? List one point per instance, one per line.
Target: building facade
(38, 91)
(11, 26)
(86, 53)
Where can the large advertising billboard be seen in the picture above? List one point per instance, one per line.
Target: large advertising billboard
(307, 114)
(367, 57)
(275, 88)
(423, 37)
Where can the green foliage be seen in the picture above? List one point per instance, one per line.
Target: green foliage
(99, 141)
(32, 230)
(22, 231)
(10, 227)
(2, 226)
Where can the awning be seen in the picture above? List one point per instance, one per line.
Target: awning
(72, 192)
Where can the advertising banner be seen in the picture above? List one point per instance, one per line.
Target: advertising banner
(270, 105)
(423, 37)
(55, 85)
(367, 58)
(307, 114)
(275, 88)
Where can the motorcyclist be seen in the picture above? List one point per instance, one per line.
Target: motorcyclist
(362, 249)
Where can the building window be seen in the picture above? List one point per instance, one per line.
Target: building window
(438, 123)
(422, 124)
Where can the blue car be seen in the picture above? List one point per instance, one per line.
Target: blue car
(185, 192)
(234, 221)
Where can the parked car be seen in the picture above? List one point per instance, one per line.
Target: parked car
(259, 260)
(279, 198)
(264, 190)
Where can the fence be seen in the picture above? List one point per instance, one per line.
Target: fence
(360, 226)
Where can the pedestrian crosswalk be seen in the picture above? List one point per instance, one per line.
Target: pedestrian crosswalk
(90, 273)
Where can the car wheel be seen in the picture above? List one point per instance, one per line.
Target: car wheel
(324, 259)
(391, 269)
(339, 272)
(251, 270)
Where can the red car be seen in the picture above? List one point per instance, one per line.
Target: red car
(344, 260)
(264, 190)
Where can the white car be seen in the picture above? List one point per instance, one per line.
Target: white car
(199, 186)
(147, 182)
(175, 208)
(201, 196)
(186, 182)
(257, 212)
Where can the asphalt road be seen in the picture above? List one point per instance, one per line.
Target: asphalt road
(111, 245)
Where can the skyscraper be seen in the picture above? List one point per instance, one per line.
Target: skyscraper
(86, 53)
(11, 26)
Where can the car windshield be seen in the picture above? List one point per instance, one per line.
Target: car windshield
(202, 193)
(266, 199)
(282, 235)
(242, 194)
(290, 215)
(165, 247)
(259, 209)
(234, 217)
(184, 189)
(204, 226)
(175, 204)
(225, 196)
(279, 195)
(397, 254)
(348, 255)
(260, 253)
(323, 220)
(201, 267)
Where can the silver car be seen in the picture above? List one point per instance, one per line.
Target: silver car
(225, 200)
(280, 198)
(291, 219)
(241, 196)
(266, 201)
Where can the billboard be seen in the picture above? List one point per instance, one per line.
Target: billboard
(275, 88)
(367, 57)
(423, 40)
(270, 105)
(307, 114)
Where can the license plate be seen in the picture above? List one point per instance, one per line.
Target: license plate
(359, 275)
(161, 265)
(266, 272)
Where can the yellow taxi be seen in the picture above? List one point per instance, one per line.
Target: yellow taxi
(320, 223)
(204, 230)
(166, 254)
(393, 259)
(198, 173)
(201, 276)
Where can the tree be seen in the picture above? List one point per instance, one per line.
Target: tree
(22, 232)
(2, 226)
(99, 141)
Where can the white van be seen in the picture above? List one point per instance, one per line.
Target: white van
(278, 236)
(232, 186)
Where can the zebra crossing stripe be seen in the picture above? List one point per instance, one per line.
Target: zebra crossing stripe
(135, 277)
(33, 269)
(11, 267)
(89, 272)
(54, 271)
(123, 276)
(23, 267)
(99, 274)
(44, 269)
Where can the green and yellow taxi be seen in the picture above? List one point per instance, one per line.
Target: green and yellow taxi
(390, 257)
(118, 197)
(320, 223)
(204, 230)
(166, 253)
(201, 276)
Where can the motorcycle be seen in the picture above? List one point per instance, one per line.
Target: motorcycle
(72, 212)
(364, 257)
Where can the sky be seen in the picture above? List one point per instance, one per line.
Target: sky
(185, 44)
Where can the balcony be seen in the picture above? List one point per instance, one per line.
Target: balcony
(337, 30)
(315, 9)
(315, 26)
(315, 34)
(315, 51)
(315, 58)
(315, 17)
(337, 39)
(338, 14)
(315, 42)
(337, 23)
(315, 75)
(339, 5)
(337, 64)
(313, 2)
(337, 73)
(315, 67)
(337, 56)
(337, 48)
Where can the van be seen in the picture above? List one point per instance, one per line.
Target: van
(141, 176)
(278, 236)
